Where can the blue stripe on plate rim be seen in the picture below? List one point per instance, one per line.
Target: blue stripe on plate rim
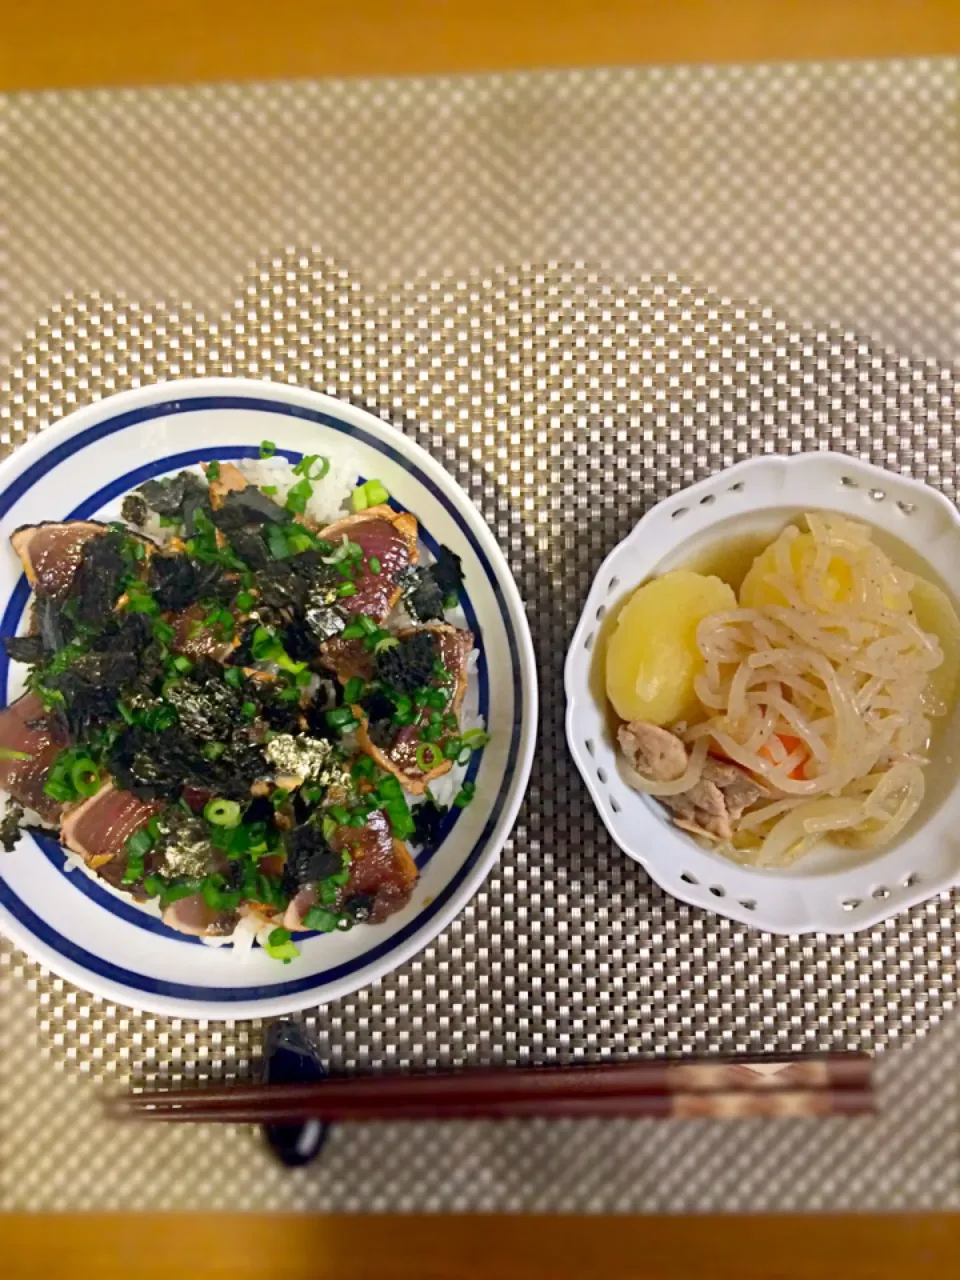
(50, 847)
(315, 981)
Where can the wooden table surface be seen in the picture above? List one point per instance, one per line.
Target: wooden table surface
(61, 44)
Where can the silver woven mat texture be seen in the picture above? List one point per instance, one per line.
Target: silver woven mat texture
(566, 398)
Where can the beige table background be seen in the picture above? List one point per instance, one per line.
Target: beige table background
(61, 45)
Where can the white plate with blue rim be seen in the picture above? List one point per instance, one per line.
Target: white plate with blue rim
(81, 468)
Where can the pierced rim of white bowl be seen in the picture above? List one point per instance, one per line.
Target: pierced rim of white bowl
(830, 890)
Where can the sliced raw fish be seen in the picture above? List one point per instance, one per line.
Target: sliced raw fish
(391, 538)
(99, 828)
(51, 552)
(27, 727)
(194, 640)
(382, 870)
(399, 756)
(193, 915)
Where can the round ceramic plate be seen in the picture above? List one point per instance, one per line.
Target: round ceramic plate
(831, 889)
(81, 468)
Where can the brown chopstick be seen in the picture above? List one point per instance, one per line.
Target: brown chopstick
(653, 1087)
(798, 1102)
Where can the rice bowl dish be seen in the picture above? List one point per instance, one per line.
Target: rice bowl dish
(250, 703)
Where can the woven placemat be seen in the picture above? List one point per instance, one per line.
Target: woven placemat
(565, 399)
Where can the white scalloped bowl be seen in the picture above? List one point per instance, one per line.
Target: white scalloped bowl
(832, 889)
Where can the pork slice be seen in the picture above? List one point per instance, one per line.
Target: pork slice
(39, 735)
(99, 828)
(740, 789)
(655, 753)
(716, 803)
(51, 552)
(702, 809)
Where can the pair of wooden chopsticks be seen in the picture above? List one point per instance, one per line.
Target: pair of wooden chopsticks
(839, 1084)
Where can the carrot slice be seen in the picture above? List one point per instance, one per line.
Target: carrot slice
(789, 744)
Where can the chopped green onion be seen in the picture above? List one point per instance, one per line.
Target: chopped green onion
(428, 756)
(139, 551)
(475, 739)
(322, 920)
(328, 892)
(214, 750)
(279, 797)
(163, 630)
(248, 710)
(362, 768)
(465, 795)
(125, 712)
(374, 564)
(357, 820)
(244, 601)
(222, 813)
(139, 843)
(233, 677)
(353, 690)
(268, 489)
(280, 947)
(341, 815)
(359, 498)
(182, 663)
(353, 631)
(85, 776)
(267, 449)
(277, 541)
(153, 885)
(371, 494)
(341, 718)
(328, 827)
(346, 589)
(299, 496)
(8, 753)
(303, 466)
(311, 794)
(134, 869)
(385, 642)
(213, 471)
(390, 789)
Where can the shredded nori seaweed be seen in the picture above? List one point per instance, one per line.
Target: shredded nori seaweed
(408, 665)
(426, 589)
(27, 649)
(249, 506)
(10, 827)
(97, 582)
(309, 858)
(134, 510)
(167, 496)
(427, 820)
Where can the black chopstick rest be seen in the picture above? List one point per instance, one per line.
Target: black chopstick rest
(290, 1058)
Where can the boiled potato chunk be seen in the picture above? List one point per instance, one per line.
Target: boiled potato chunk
(652, 655)
(757, 591)
(936, 615)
